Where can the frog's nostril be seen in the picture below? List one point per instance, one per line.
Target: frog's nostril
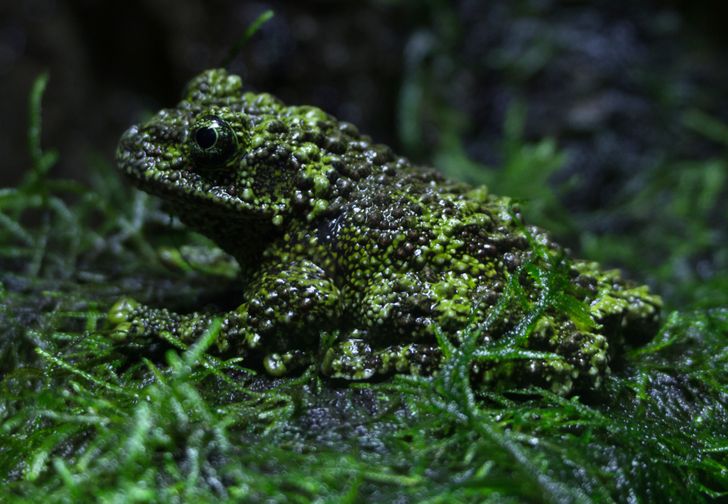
(128, 148)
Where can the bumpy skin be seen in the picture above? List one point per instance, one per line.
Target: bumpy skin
(340, 236)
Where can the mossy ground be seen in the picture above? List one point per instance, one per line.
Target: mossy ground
(84, 418)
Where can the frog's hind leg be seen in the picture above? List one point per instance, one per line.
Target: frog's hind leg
(570, 360)
(138, 324)
(355, 359)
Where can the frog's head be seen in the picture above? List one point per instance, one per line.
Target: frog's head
(215, 157)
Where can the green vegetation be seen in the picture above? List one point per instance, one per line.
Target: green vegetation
(83, 418)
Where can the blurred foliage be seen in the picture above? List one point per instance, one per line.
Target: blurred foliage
(677, 235)
(666, 224)
(84, 419)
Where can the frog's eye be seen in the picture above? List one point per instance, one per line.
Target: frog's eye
(213, 142)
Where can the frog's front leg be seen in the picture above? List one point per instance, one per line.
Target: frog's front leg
(286, 305)
(132, 321)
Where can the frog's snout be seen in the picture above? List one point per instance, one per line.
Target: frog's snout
(129, 137)
(128, 145)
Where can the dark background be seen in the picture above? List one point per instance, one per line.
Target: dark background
(609, 81)
(604, 79)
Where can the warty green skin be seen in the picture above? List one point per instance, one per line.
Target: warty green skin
(336, 235)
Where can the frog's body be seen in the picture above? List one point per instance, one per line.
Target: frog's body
(335, 234)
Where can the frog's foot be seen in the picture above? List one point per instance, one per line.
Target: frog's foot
(627, 313)
(355, 359)
(138, 324)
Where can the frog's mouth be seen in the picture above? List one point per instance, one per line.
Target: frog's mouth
(153, 156)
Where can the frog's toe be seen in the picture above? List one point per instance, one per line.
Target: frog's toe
(121, 331)
(121, 312)
(129, 330)
(119, 318)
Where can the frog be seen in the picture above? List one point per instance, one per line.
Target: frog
(357, 261)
